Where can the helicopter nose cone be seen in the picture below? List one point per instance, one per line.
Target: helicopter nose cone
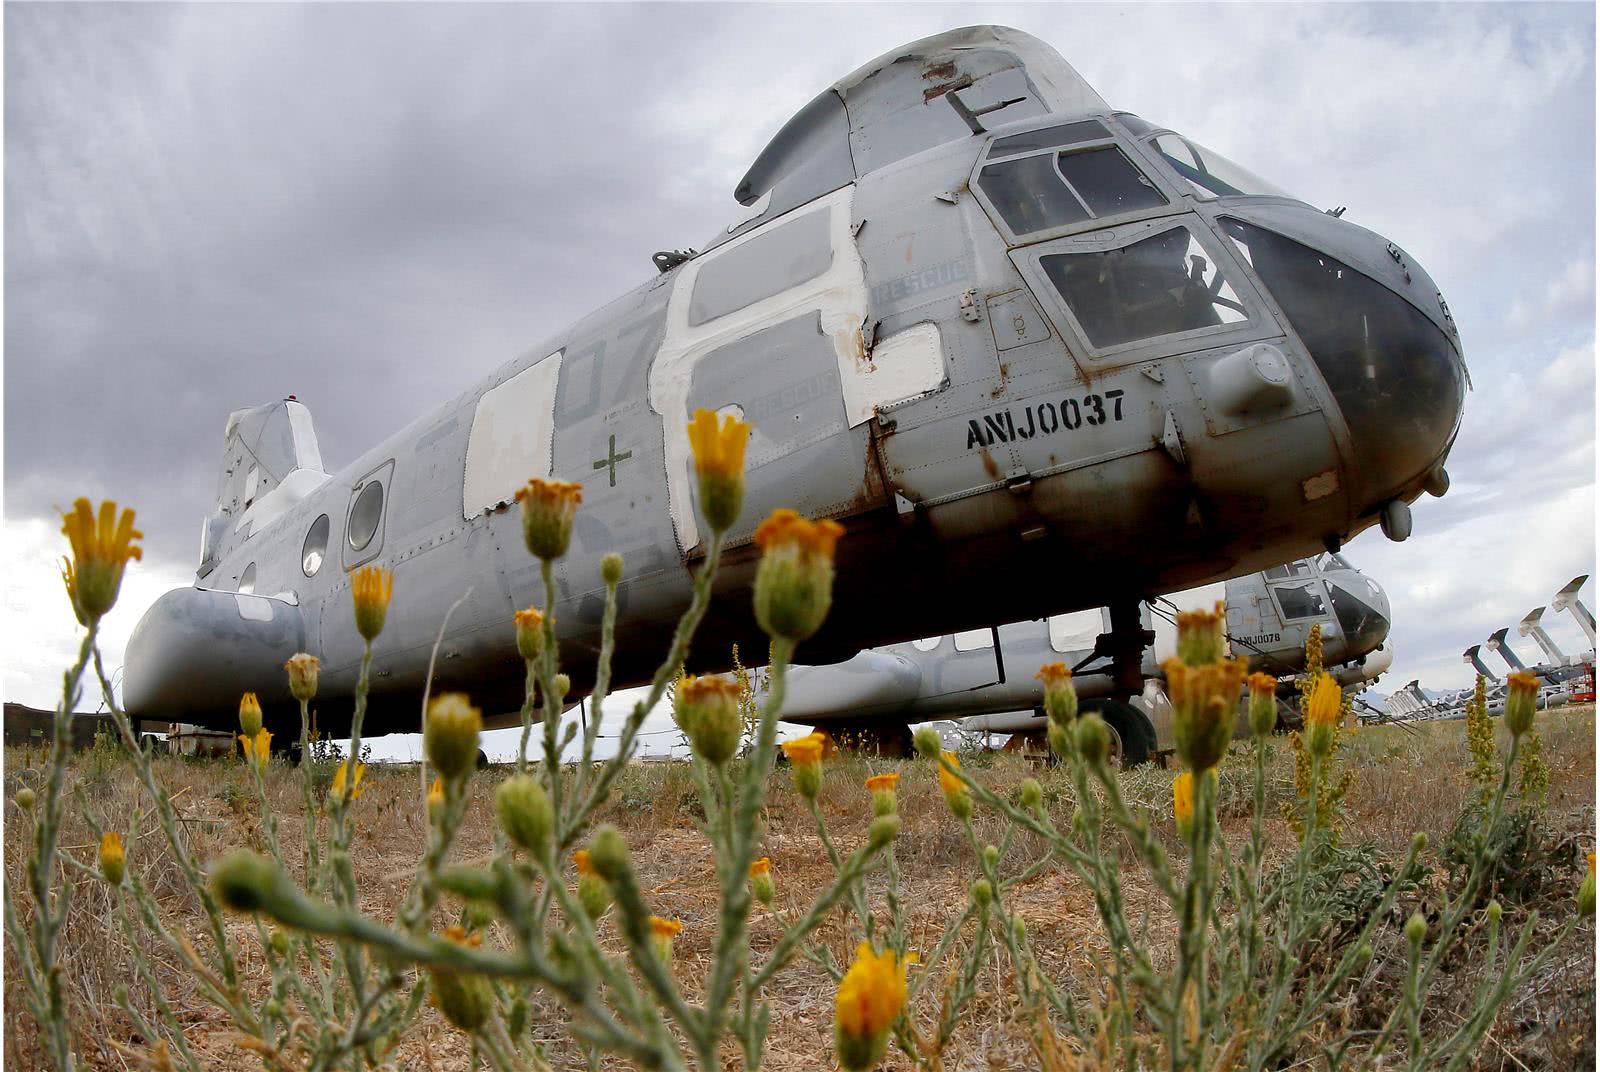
(1362, 608)
(1380, 334)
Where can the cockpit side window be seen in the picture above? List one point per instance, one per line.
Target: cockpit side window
(1048, 137)
(1301, 601)
(1162, 285)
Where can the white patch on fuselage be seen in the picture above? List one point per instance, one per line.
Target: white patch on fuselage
(838, 294)
(512, 437)
(904, 365)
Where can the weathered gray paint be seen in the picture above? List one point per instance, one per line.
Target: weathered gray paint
(991, 497)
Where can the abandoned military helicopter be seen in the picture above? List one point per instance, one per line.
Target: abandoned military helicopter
(985, 677)
(1034, 353)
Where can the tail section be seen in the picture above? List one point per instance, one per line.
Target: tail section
(270, 460)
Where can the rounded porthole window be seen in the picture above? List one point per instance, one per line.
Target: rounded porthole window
(316, 546)
(927, 643)
(247, 579)
(365, 515)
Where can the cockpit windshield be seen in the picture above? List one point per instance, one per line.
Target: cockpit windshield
(1209, 173)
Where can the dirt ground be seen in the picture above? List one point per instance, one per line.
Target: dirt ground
(1406, 779)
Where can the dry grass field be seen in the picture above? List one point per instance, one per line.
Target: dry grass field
(1406, 779)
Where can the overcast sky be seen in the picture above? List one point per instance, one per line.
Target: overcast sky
(367, 206)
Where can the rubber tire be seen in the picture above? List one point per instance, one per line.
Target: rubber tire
(483, 760)
(1138, 736)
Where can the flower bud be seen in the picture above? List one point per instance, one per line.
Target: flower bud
(245, 881)
(273, 1009)
(1419, 842)
(883, 830)
(1031, 794)
(280, 940)
(548, 507)
(370, 589)
(991, 856)
(1494, 911)
(1079, 821)
(563, 685)
(1092, 738)
(928, 743)
(1060, 698)
(530, 633)
(112, 862)
(523, 808)
(611, 569)
(517, 1018)
(1586, 891)
(249, 714)
(1263, 704)
(593, 892)
(302, 670)
(805, 756)
(882, 787)
(25, 798)
(609, 854)
(794, 581)
(450, 734)
(1019, 930)
(1522, 691)
(101, 550)
(465, 998)
(982, 893)
(1363, 953)
(1416, 929)
(662, 932)
(707, 710)
(1060, 738)
(761, 887)
(478, 915)
(719, 465)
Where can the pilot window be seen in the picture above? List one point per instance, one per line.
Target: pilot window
(1162, 285)
(365, 515)
(1066, 134)
(1298, 568)
(1300, 601)
(1037, 193)
(1210, 174)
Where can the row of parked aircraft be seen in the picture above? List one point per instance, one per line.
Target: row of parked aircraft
(1563, 678)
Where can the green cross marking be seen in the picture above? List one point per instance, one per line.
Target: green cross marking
(610, 463)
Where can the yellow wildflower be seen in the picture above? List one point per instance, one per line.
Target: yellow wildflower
(1060, 698)
(548, 507)
(302, 670)
(370, 589)
(1204, 700)
(465, 999)
(662, 932)
(805, 755)
(1200, 635)
(882, 787)
(1183, 803)
(870, 998)
(355, 787)
(257, 749)
(719, 464)
(1263, 703)
(100, 553)
(1522, 690)
(580, 859)
(763, 866)
(1586, 891)
(530, 632)
(1322, 714)
(883, 781)
(707, 710)
(435, 799)
(112, 861)
(794, 581)
(954, 789)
